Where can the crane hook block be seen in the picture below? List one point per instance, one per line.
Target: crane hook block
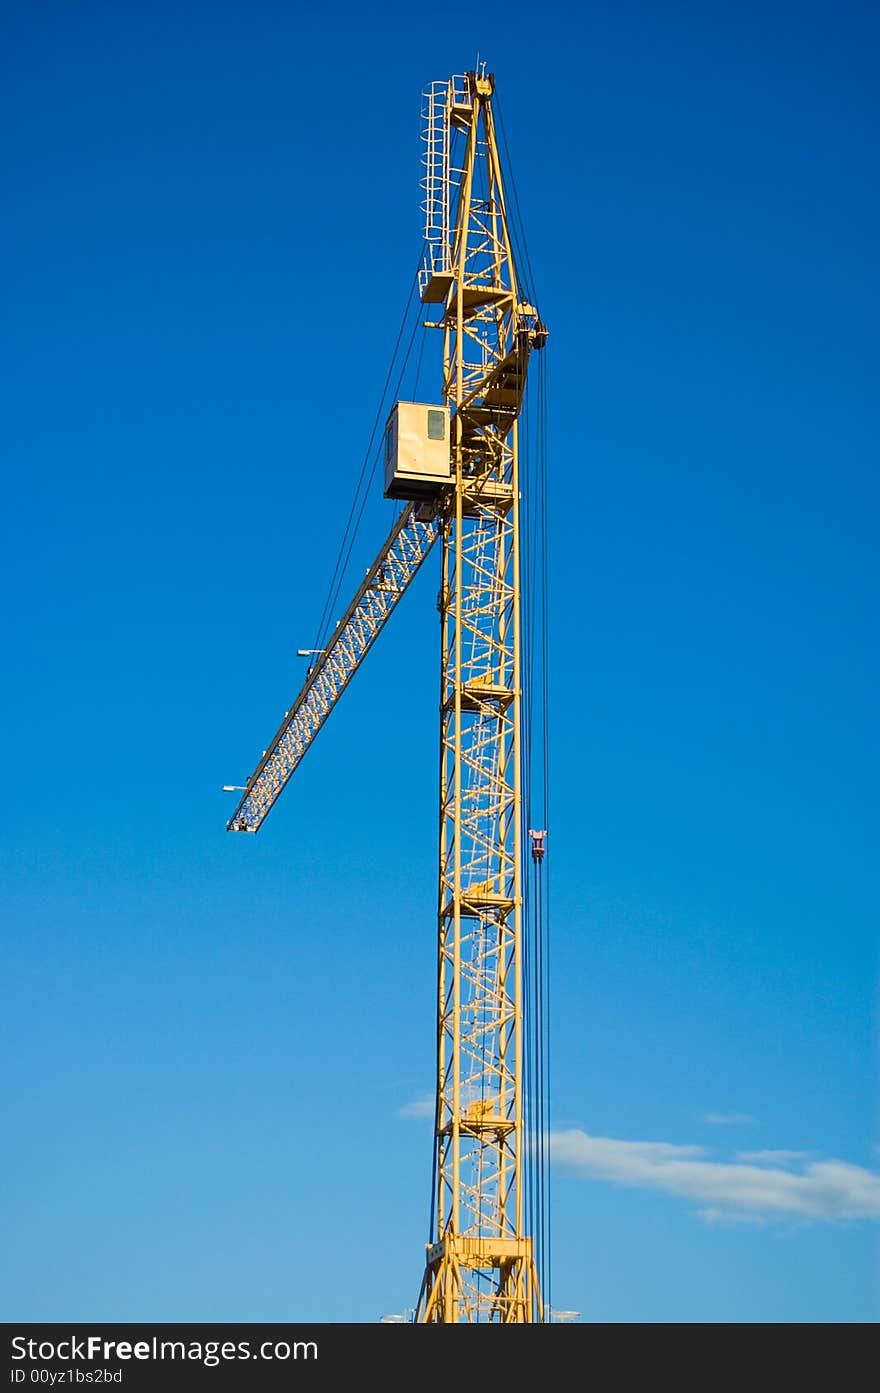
(539, 844)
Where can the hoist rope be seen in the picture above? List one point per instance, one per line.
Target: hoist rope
(365, 478)
(520, 245)
(535, 645)
(535, 778)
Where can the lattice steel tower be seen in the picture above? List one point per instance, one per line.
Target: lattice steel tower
(480, 1264)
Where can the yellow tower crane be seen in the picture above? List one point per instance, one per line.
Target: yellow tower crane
(456, 466)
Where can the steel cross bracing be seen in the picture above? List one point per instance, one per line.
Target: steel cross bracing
(411, 538)
(480, 1263)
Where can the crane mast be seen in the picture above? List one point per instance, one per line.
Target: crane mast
(480, 1264)
(480, 1261)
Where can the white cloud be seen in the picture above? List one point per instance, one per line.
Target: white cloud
(728, 1218)
(729, 1119)
(419, 1107)
(773, 1158)
(823, 1190)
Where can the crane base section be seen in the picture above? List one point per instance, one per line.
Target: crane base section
(480, 1280)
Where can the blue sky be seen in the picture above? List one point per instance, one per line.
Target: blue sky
(212, 220)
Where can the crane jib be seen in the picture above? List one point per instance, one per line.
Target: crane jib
(412, 537)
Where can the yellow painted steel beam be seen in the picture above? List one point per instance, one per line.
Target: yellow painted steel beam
(480, 1264)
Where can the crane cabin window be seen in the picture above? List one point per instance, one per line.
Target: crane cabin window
(389, 442)
(436, 424)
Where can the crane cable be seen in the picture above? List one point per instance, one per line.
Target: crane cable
(536, 946)
(365, 480)
(535, 711)
(535, 757)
